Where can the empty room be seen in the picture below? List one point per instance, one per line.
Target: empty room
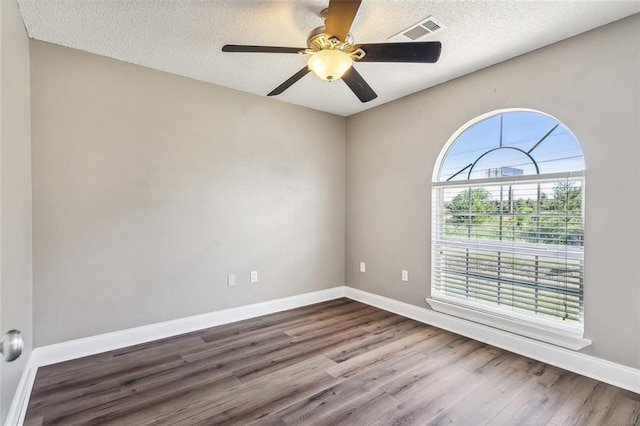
(320, 212)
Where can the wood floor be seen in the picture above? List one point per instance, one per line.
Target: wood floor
(339, 362)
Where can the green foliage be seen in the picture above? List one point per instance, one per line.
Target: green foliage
(474, 201)
(475, 213)
(562, 220)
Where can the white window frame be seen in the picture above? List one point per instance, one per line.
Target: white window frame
(550, 331)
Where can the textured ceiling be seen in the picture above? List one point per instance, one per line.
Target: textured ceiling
(185, 38)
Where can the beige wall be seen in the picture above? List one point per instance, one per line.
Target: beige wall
(591, 84)
(15, 192)
(150, 188)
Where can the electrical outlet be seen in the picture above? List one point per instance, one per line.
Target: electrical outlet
(405, 275)
(363, 267)
(254, 276)
(231, 280)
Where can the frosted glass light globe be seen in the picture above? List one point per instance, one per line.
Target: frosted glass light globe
(330, 64)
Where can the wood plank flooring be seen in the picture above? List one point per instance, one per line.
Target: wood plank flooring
(334, 363)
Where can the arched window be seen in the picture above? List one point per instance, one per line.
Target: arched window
(507, 230)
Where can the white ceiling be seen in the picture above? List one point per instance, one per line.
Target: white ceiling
(185, 38)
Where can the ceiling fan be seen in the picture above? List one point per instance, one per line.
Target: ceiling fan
(332, 51)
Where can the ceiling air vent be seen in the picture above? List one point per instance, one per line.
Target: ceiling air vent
(431, 25)
(416, 32)
(419, 31)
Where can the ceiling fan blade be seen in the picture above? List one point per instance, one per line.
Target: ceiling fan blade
(419, 52)
(358, 86)
(340, 17)
(260, 49)
(289, 82)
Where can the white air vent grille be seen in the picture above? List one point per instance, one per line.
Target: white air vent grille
(416, 32)
(419, 31)
(431, 25)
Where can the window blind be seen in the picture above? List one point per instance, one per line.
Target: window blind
(511, 245)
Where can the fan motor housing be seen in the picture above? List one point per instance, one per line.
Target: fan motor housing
(318, 40)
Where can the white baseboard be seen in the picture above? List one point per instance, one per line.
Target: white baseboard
(18, 407)
(596, 368)
(78, 348)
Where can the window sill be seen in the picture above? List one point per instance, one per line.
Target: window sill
(564, 337)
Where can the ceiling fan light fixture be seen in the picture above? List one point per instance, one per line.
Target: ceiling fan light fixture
(330, 64)
(332, 51)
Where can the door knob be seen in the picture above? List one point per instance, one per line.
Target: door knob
(11, 345)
